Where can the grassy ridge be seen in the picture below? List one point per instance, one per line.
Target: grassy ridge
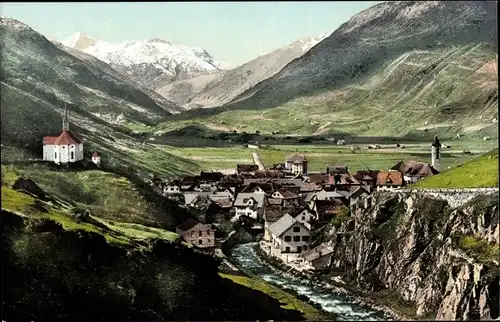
(477, 173)
(289, 301)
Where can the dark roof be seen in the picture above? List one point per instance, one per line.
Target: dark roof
(188, 224)
(211, 176)
(268, 187)
(336, 169)
(366, 175)
(246, 168)
(49, 140)
(394, 178)
(296, 157)
(268, 174)
(329, 206)
(318, 178)
(287, 194)
(414, 168)
(275, 212)
(95, 154)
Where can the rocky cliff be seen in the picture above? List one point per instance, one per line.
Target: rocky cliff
(440, 262)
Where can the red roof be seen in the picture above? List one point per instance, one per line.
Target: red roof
(49, 140)
(95, 155)
(67, 138)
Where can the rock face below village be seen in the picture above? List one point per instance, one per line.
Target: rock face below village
(443, 262)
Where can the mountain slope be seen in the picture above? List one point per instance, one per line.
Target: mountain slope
(39, 80)
(152, 62)
(220, 88)
(418, 61)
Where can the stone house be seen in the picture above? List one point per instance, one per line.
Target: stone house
(297, 164)
(199, 234)
(251, 205)
(389, 180)
(318, 257)
(289, 235)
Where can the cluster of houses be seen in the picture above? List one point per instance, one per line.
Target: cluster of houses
(287, 201)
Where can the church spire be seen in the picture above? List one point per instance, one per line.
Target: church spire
(65, 120)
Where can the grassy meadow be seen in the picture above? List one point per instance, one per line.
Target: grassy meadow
(477, 173)
(320, 156)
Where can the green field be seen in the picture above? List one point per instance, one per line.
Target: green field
(476, 173)
(320, 156)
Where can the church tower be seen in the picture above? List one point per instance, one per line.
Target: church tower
(436, 154)
(65, 125)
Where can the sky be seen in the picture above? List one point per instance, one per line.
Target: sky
(232, 32)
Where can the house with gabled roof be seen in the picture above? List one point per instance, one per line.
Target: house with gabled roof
(273, 214)
(297, 164)
(260, 187)
(251, 205)
(306, 216)
(414, 171)
(289, 235)
(288, 198)
(389, 180)
(64, 148)
(318, 257)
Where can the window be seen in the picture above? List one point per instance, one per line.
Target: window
(288, 238)
(72, 155)
(299, 249)
(305, 238)
(55, 155)
(200, 241)
(287, 249)
(296, 229)
(296, 238)
(303, 217)
(200, 233)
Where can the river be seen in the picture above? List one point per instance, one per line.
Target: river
(341, 307)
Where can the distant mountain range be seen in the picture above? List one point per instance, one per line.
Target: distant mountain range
(152, 62)
(220, 88)
(397, 68)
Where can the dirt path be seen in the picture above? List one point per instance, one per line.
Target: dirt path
(322, 129)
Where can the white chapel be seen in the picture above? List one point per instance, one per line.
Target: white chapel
(64, 148)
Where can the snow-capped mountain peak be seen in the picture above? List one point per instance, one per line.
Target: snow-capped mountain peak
(153, 62)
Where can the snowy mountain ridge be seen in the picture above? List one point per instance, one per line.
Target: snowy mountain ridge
(152, 62)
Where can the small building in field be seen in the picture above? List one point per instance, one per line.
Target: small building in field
(297, 164)
(96, 158)
(64, 148)
(199, 234)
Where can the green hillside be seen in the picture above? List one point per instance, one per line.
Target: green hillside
(478, 173)
(444, 91)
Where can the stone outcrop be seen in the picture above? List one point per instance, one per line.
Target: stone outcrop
(437, 253)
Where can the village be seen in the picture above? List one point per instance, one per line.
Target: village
(285, 203)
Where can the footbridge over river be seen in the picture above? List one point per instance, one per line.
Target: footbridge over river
(455, 197)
